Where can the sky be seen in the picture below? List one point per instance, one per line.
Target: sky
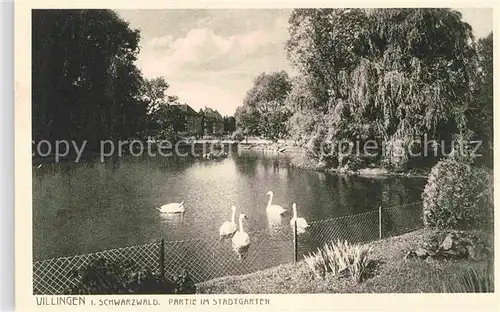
(210, 57)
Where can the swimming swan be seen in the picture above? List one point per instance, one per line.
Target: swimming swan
(275, 209)
(240, 239)
(301, 222)
(229, 227)
(172, 208)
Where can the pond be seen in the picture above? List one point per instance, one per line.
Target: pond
(92, 206)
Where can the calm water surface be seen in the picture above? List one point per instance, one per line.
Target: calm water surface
(92, 206)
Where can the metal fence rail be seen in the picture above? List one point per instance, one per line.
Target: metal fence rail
(208, 259)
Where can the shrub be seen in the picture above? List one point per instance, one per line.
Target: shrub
(453, 244)
(353, 162)
(184, 284)
(104, 276)
(238, 135)
(457, 196)
(340, 259)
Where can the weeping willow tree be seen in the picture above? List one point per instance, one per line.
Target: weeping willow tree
(391, 75)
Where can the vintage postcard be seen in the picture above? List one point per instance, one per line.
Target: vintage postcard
(285, 156)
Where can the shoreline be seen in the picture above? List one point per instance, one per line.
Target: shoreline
(299, 159)
(296, 154)
(93, 153)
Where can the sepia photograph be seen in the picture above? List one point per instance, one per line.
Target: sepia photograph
(261, 151)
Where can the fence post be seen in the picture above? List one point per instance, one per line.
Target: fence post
(380, 222)
(295, 242)
(162, 258)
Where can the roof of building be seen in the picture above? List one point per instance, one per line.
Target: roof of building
(212, 113)
(186, 109)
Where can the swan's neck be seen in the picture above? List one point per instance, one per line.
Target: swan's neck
(241, 225)
(270, 200)
(295, 212)
(233, 216)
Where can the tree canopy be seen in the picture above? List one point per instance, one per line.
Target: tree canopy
(264, 111)
(393, 75)
(480, 112)
(85, 83)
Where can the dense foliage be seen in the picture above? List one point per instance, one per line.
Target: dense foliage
(86, 86)
(238, 135)
(388, 76)
(85, 83)
(264, 111)
(104, 276)
(229, 123)
(453, 245)
(162, 117)
(480, 112)
(458, 195)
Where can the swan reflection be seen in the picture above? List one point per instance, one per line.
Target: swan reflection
(172, 218)
(274, 223)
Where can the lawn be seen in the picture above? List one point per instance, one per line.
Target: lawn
(393, 274)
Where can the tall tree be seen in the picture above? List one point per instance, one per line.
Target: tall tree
(84, 81)
(247, 120)
(393, 75)
(155, 93)
(264, 109)
(229, 124)
(480, 113)
(163, 113)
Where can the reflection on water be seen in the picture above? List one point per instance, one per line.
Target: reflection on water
(85, 207)
(172, 219)
(275, 223)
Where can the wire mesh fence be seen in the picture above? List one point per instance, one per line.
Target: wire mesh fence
(401, 219)
(359, 228)
(207, 259)
(55, 276)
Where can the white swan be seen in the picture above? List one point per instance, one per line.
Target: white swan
(274, 209)
(241, 240)
(301, 222)
(172, 208)
(229, 227)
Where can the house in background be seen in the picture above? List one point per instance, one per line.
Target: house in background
(191, 120)
(188, 122)
(213, 123)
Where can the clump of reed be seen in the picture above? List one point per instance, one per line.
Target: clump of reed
(340, 259)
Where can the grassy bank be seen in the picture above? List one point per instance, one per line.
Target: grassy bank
(393, 273)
